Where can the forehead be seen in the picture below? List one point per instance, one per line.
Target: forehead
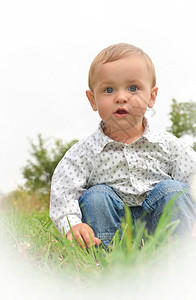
(129, 67)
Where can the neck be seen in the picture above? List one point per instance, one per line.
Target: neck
(125, 135)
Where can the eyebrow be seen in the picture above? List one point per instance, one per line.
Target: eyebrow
(131, 81)
(106, 83)
(137, 81)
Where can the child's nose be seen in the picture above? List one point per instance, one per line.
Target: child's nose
(121, 97)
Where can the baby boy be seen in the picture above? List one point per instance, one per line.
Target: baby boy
(125, 161)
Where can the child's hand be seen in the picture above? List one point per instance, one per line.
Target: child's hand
(84, 235)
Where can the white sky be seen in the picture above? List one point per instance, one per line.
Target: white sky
(45, 53)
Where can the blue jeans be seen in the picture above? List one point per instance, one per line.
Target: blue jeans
(103, 209)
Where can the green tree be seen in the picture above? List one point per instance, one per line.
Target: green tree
(183, 119)
(44, 158)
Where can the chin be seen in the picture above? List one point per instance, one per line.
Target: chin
(193, 188)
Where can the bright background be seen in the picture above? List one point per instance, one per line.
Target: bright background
(45, 53)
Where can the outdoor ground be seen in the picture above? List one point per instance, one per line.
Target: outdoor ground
(38, 262)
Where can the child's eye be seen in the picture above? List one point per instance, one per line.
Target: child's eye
(109, 90)
(132, 88)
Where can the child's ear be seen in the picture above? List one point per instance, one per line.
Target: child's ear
(91, 98)
(153, 96)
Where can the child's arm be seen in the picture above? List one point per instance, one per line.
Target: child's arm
(69, 182)
(84, 235)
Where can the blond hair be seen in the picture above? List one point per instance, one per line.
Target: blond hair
(115, 52)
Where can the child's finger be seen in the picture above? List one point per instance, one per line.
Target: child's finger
(69, 237)
(81, 242)
(88, 237)
(97, 241)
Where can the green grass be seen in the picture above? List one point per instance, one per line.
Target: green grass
(33, 237)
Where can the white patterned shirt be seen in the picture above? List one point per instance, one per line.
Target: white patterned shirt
(132, 170)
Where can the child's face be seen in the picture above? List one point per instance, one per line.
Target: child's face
(122, 92)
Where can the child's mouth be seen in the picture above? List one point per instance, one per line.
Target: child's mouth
(121, 112)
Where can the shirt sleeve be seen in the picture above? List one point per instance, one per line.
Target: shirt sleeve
(68, 184)
(183, 161)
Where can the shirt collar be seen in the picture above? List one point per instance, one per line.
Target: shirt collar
(150, 133)
(103, 139)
